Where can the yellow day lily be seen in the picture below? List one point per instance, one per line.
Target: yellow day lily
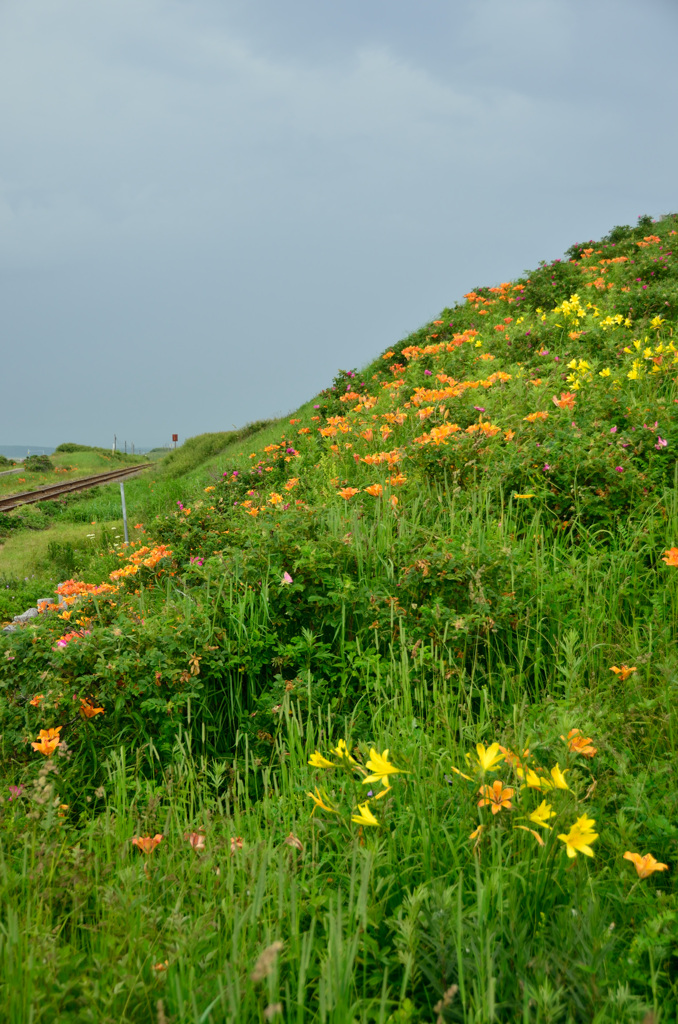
(558, 777)
(380, 767)
(532, 832)
(341, 751)
(580, 837)
(542, 814)
(318, 761)
(487, 758)
(365, 817)
(542, 782)
(321, 799)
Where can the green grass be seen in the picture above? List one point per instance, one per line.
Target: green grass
(292, 609)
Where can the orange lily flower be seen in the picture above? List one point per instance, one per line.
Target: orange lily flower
(671, 556)
(48, 740)
(623, 671)
(646, 865)
(196, 839)
(348, 492)
(147, 844)
(88, 709)
(566, 401)
(578, 744)
(497, 796)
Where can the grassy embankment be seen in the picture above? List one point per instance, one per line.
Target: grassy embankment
(464, 544)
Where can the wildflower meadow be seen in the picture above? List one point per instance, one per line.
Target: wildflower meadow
(374, 719)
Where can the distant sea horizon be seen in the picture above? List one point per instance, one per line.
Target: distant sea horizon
(20, 451)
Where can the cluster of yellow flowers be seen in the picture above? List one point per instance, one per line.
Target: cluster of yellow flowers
(377, 772)
(498, 796)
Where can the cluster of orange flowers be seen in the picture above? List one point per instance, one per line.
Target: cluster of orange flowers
(145, 556)
(72, 589)
(455, 390)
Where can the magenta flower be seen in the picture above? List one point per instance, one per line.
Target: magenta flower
(661, 442)
(619, 469)
(15, 792)
(546, 467)
(286, 578)
(480, 408)
(613, 430)
(427, 373)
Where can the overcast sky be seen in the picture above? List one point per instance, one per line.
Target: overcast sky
(209, 206)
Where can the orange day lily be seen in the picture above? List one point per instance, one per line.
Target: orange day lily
(566, 401)
(88, 709)
(671, 556)
(196, 839)
(497, 796)
(348, 492)
(35, 701)
(623, 671)
(375, 490)
(48, 740)
(578, 744)
(646, 865)
(515, 760)
(147, 844)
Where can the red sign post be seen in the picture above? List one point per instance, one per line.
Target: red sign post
(175, 438)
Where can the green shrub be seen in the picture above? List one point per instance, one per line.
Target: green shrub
(38, 464)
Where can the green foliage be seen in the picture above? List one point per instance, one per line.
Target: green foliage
(70, 448)
(478, 547)
(196, 450)
(38, 464)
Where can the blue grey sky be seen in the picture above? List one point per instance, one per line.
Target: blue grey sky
(207, 208)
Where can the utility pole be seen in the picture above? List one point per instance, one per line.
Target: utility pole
(115, 442)
(124, 511)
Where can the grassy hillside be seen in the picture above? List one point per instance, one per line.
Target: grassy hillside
(375, 719)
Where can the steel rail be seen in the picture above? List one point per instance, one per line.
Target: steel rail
(56, 490)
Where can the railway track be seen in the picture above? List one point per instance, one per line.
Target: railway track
(57, 490)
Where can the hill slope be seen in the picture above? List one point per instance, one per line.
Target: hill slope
(437, 609)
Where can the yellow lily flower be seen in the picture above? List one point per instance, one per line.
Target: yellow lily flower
(531, 830)
(580, 836)
(318, 761)
(542, 814)
(559, 778)
(380, 767)
(321, 799)
(487, 758)
(341, 751)
(542, 782)
(365, 817)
